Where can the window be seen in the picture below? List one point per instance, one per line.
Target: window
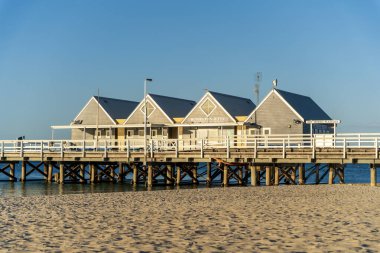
(141, 133)
(154, 133)
(266, 131)
(150, 108)
(130, 133)
(164, 132)
(207, 107)
(254, 131)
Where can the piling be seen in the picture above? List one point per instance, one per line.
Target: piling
(268, 175)
(150, 176)
(92, 173)
(225, 175)
(178, 174)
(253, 175)
(208, 177)
(373, 175)
(317, 174)
(169, 174)
(331, 174)
(81, 172)
(50, 172)
(12, 172)
(23, 171)
(276, 175)
(301, 174)
(121, 172)
(61, 173)
(135, 180)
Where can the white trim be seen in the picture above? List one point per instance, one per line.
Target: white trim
(282, 99)
(201, 102)
(152, 101)
(143, 111)
(106, 126)
(200, 107)
(206, 124)
(88, 103)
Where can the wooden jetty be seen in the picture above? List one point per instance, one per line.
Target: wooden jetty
(263, 159)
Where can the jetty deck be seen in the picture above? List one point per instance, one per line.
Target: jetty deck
(274, 159)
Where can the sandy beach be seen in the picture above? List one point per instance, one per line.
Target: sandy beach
(268, 219)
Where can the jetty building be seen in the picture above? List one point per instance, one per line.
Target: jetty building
(213, 117)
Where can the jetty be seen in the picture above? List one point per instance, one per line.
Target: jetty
(221, 139)
(262, 159)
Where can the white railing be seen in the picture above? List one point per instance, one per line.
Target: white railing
(222, 144)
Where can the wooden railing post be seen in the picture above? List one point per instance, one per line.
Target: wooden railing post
(105, 149)
(255, 140)
(61, 143)
(42, 149)
(344, 148)
(283, 148)
(2, 149)
(228, 146)
(84, 148)
(151, 148)
(176, 148)
(202, 144)
(376, 148)
(313, 143)
(21, 148)
(128, 149)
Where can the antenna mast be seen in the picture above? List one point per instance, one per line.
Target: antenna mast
(257, 87)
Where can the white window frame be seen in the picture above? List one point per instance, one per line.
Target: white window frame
(265, 129)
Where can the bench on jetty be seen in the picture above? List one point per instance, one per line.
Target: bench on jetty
(275, 158)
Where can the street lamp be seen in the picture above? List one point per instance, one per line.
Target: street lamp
(145, 119)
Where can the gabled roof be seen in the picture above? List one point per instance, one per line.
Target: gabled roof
(235, 106)
(116, 108)
(173, 107)
(304, 107)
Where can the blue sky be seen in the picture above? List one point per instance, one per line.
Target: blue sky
(54, 55)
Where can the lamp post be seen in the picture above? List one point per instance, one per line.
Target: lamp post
(145, 120)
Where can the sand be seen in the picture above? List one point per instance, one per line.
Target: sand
(267, 219)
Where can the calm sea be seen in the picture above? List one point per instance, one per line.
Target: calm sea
(354, 174)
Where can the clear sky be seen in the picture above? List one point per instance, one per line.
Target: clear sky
(54, 55)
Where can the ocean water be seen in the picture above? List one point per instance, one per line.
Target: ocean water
(354, 174)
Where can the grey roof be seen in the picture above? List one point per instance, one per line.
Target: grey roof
(235, 106)
(117, 108)
(173, 107)
(305, 106)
